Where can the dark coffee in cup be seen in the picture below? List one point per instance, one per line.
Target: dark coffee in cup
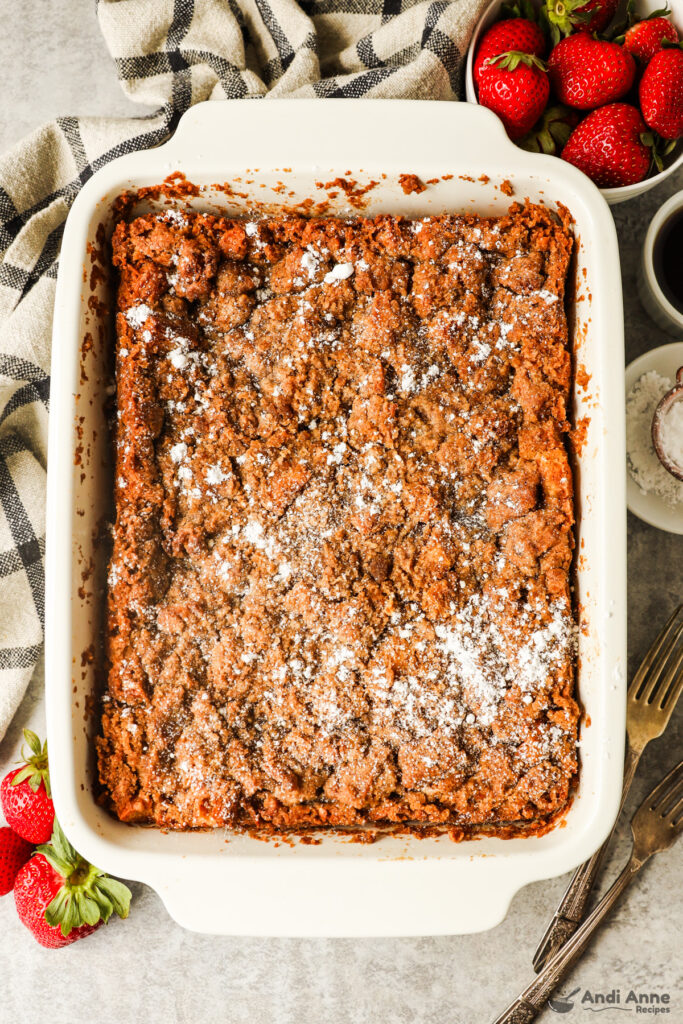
(667, 259)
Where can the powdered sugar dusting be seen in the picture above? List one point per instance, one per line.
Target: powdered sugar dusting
(339, 272)
(477, 649)
(137, 315)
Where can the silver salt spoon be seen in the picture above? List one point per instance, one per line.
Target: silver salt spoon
(663, 410)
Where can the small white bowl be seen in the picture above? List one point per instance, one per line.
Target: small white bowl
(643, 7)
(656, 304)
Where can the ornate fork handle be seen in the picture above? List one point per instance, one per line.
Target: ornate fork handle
(570, 910)
(533, 999)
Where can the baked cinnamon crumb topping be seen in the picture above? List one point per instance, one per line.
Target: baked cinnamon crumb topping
(339, 588)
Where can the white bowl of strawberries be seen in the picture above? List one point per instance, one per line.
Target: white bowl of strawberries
(581, 79)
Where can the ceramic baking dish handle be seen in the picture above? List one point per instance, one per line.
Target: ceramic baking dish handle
(191, 899)
(211, 131)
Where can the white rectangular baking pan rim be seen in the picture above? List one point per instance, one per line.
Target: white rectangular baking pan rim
(215, 883)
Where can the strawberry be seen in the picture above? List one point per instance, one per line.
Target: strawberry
(552, 131)
(61, 898)
(26, 794)
(661, 93)
(607, 146)
(644, 39)
(512, 34)
(587, 73)
(14, 852)
(515, 86)
(566, 16)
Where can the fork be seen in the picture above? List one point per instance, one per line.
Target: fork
(652, 697)
(656, 823)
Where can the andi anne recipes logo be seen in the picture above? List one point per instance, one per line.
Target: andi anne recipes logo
(631, 1001)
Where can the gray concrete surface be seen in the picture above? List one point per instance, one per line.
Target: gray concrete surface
(148, 969)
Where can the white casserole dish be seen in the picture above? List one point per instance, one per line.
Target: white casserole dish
(399, 885)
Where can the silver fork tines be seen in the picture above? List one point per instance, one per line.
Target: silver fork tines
(652, 696)
(670, 689)
(655, 690)
(648, 677)
(657, 821)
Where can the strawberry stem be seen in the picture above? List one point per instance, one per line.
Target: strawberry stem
(619, 31)
(511, 59)
(563, 16)
(550, 134)
(659, 148)
(522, 9)
(35, 764)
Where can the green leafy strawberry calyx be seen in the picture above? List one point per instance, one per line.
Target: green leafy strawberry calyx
(661, 12)
(520, 9)
(35, 765)
(658, 147)
(551, 133)
(87, 895)
(513, 58)
(564, 16)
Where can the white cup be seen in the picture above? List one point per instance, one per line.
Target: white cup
(664, 314)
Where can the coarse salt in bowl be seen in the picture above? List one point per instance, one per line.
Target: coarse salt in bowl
(643, 8)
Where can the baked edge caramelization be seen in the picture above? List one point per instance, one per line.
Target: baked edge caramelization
(339, 590)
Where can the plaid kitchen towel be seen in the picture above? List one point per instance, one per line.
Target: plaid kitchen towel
(169, 54)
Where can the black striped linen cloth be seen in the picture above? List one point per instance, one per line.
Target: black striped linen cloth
(169, 54)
